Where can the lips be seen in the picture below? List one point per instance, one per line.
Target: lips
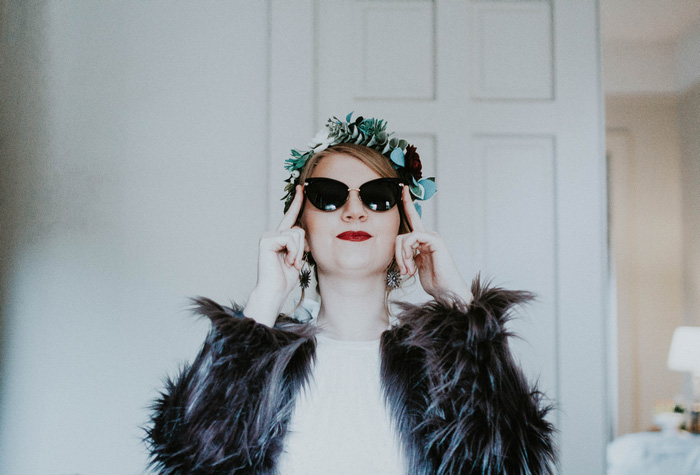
(354, 236)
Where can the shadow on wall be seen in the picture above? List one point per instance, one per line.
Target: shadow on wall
(689, 124)
(23, 143)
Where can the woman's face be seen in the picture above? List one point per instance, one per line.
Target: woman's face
(324, 229)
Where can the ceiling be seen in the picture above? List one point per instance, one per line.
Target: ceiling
(646, 21)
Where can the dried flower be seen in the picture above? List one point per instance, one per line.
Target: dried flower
(413, 163)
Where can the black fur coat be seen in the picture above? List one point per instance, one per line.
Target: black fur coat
(459, 401)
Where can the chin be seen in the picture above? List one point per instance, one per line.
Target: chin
(368, 266)
(353, 259)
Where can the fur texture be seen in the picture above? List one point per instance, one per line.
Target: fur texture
(460, 403)
(228, 412)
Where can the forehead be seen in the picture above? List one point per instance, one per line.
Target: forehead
(346, 168)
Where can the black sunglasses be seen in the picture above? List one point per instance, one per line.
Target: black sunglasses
(327, 194)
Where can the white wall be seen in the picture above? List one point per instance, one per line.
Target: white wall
(133, 155)
(664, 67)
(688, 58)
(632, 68)
(647, 233)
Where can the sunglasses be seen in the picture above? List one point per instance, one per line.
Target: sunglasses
(327, 194)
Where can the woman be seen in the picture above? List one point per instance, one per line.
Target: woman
(433, 391)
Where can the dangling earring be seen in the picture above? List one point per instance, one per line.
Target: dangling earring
(393, 279)
(305, 272)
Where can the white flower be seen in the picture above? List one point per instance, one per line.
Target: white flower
(321, 141)
(295, 174)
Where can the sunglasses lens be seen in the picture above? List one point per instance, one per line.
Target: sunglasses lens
(381, 194)
(326, 194)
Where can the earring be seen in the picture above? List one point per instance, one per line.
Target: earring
(393, 279)
(305, 273)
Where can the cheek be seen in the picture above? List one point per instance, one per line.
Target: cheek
(311, 224)
(395, 223)
(306, 220)
(390, 229)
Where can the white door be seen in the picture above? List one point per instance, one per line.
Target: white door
(503, 100)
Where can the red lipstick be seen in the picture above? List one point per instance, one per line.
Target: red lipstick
(354, 236)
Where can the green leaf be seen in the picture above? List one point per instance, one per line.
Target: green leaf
(398, 157)
(419, 209)
(417, 190)
(429, 187)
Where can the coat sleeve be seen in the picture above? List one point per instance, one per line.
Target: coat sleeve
(462, 403)
(227, 411)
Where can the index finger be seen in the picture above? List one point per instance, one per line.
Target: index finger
(290, 217)
(412, 215)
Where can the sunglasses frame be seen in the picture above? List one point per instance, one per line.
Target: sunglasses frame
(396, 181)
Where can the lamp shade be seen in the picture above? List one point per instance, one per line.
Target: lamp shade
(685, 350)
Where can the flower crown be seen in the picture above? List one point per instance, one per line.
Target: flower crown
(370, 133)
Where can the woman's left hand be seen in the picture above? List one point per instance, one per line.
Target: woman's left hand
(426, 252)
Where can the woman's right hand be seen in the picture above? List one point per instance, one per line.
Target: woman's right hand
(280, 256)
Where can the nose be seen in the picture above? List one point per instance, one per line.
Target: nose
(354, 208)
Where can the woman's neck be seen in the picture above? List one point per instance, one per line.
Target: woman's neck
(352, 308)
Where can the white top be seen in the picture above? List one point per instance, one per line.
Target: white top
(340, 423)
